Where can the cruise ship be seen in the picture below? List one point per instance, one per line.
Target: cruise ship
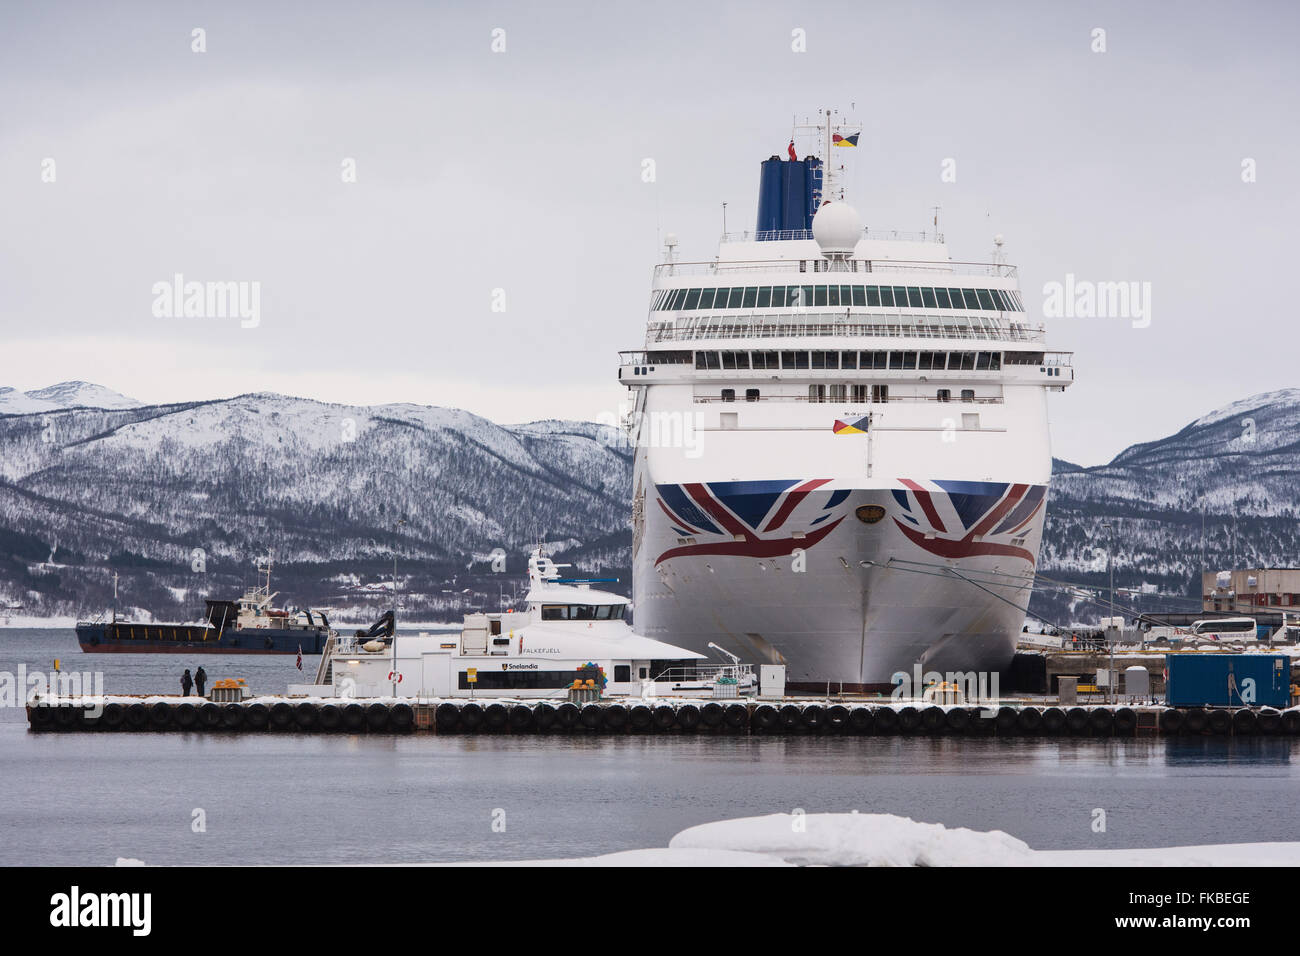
(841, 444)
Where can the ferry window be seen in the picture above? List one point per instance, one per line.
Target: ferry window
(896, 359)
(859, 296)
(925, 361)
(846, 295)
(860, 393)
(914, 297)
(794, 360)
(751, 394)
(737, 294)
(968, 394)
(880, 393)
(825, 359)
(742, 359)
(945, 395)
(848, 360)
(873, 360)
(819, 295)
(692, 299)
(766, 360)
(728, 394)
(955, 296)
(751, 296)
(554, 612)
(986, 300)
(972, 300)
(833, 295)
(707, 360)
(909, 360)
(806, 293)
(816, 393)
(900, 296)
(872, 294)
(778, 296)
(803, 265)
(765, 297)
(886, 296)
(941, 296)
(622, 673)
(984, 361)
(706, 298)
(967, 361)
(996, 362)
(927, 296)
(837, 393)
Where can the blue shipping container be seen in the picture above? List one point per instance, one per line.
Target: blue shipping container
(1228, 680)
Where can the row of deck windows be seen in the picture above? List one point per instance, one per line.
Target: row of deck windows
(837, 296)
(901, 361)
(856, 394)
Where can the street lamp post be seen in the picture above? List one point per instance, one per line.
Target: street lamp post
(392, 641)
(1110, 644)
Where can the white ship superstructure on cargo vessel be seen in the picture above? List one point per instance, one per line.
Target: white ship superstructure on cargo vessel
(864, 487)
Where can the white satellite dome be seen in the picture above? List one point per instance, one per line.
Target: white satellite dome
(837, 228)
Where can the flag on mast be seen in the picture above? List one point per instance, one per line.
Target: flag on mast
(790, 150)
(300, 657)
(838, 140)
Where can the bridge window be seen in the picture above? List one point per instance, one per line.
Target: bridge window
(692, 299)
(778, 296)
(873, 295)
(985, 300)
(848, 360)
(794, 360)
(765, 297)
(750, 297)
(706, 298)
(886, 296)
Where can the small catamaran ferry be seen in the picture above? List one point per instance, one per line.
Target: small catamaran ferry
(249, 625)
(569, 632)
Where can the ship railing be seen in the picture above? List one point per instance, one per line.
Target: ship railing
(708, 673)
(843, 400)
(771, 235)
(895, 326)
(822, 267)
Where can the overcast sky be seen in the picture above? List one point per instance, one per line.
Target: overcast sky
(522, 171)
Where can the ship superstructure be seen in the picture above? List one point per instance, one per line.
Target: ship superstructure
(842, 451)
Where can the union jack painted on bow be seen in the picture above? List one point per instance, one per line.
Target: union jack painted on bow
(958, 520)
(748, 518)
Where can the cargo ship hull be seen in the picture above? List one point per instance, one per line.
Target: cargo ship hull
(126, 638)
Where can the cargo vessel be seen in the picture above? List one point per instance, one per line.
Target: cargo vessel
(248, 625)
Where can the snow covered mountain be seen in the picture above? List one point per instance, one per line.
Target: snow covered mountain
(154, 492)
(180, 499)
(62, 395)
(1224, 491)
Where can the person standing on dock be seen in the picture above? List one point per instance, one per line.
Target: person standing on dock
(186, 683)
(200, 680)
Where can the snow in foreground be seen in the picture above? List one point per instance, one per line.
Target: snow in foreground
(878, 839)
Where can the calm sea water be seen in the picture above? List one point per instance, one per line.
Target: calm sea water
(92, 798)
